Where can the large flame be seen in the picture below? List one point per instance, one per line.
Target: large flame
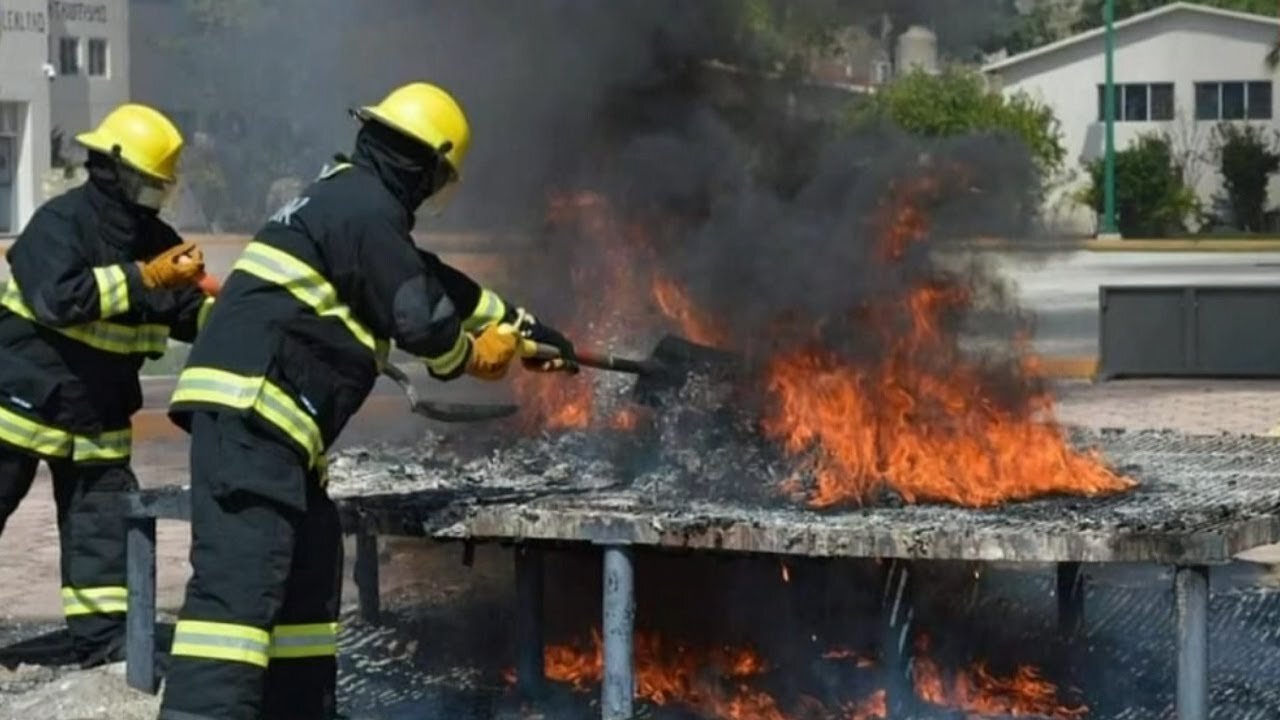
(920, 416)
(722, 683)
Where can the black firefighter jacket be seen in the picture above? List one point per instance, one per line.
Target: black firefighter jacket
(306, 318)
(76, 324)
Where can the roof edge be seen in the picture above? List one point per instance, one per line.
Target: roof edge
(1128, 22)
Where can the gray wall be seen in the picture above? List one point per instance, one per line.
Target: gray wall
(80, 101)
(24, 109)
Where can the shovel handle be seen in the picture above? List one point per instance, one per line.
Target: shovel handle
(599, 361)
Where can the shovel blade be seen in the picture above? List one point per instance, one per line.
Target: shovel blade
(462, 412)
(674, 359)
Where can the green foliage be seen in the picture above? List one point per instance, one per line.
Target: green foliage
(957, 102)
(1247, 159)
(1152, 198)
(1091, 10)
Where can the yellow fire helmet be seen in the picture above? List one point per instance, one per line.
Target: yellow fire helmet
(144, 138)
(428, 114)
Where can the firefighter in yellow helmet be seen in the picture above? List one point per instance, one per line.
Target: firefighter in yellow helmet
(290, 352)
(99, 284)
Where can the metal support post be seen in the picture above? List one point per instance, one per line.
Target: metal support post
(140, 624)
(618, 691)
(1191, 597)
(1109, 227)
(1070, 599)
(530, 658)
(897, 613)
(365, 574)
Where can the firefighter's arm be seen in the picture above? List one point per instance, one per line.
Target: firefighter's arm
(404, 299)
(479, 306)
(57, 280)
(191, 308)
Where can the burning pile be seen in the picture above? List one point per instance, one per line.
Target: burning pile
(881, 398)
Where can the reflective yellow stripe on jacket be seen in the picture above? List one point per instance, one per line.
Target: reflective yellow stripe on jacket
(490, 309)
(202, 315)
(100, 334)
(304, 283)
(113, 290)
(94, 600)
(49, 441)
(219, 387)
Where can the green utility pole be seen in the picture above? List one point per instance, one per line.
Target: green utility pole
(1109, 116)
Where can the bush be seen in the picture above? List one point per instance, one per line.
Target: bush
(1152, 198)
(1247, 159)
(957, 102)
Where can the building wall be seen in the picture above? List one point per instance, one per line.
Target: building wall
(24, 109)
(80, 100)
(1182, 48)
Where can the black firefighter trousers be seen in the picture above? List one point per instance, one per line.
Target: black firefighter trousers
(257, 635)
(91, 532)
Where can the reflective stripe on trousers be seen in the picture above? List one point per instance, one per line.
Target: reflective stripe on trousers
(221, 641)
(100, 334)
(41, 439)
(243, 392)
(304, 641)
(247, 644)
(94, 600)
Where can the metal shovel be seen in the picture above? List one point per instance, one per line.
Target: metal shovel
(666, 369)
(449, 412)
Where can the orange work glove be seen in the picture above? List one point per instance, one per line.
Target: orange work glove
(179, 266)
(492, 352)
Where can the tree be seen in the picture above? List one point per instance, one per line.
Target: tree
(957, 102)
(1247, 159)
(1152, 197)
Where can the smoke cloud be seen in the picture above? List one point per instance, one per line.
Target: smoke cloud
(755, 209)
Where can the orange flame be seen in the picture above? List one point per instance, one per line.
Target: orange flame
(716, 684)
(711, 684)
(978, 691)
(627, 296)
(919, 418)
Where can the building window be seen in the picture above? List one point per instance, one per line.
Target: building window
(69, 56)
(1259, 106)
(1139, 102)
(1233, 100)
(97, 57)
(1162, 101)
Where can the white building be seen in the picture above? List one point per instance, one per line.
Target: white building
(63, 65)
(1179, 69)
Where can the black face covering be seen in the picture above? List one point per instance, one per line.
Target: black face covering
(120, 217)
(410, 170)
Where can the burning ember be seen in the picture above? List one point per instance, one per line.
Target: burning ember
(921, 418)
(722, 684)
